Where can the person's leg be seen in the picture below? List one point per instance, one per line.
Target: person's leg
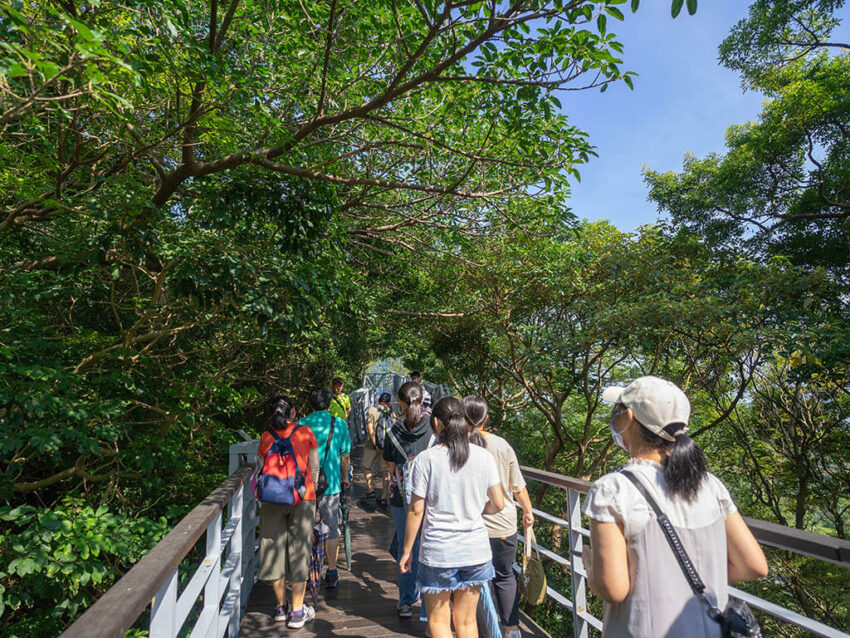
(369, 456)
(407, 590)
(505, 583)
(298, 591)
(439, 614)
(279, 587)
(464, 602)
(300, 543)
(329, 508)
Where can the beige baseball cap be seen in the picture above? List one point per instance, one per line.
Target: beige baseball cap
(656, 403)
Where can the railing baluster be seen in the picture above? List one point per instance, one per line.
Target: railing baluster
(163, 609)
(212, 591)
(237, 542)
(577, 564)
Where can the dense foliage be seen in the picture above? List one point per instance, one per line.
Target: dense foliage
(202, 204)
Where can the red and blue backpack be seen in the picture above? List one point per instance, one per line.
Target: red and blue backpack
(281, 481)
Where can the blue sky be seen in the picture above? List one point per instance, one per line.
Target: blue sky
(683, 101)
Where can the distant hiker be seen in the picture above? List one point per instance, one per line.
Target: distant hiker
(630, 563)
(416, 377)
(286, 531)
(502, 526)
(451, 484)
(334, 445)
(409, 436)
(341, 403)
(379, 420)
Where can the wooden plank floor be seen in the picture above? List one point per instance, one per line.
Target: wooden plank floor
(363, 606)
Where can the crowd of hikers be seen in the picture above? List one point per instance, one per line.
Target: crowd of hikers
(665, 537)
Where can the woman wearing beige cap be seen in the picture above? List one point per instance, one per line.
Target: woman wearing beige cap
(630, 564)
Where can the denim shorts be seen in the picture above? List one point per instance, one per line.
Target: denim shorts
(433, 580)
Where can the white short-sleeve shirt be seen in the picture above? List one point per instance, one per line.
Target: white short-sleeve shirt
(453, 531)
(613, 499)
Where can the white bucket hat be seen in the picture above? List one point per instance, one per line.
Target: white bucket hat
(656, 403)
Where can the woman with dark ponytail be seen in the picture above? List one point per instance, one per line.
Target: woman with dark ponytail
(630, 564)
(409, 436)
(452, 484)
(286, 531)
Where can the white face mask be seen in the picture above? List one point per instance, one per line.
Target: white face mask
(618, 438)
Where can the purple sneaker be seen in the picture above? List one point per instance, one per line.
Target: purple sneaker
(281, 612)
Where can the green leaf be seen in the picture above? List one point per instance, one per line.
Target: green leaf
(692, 6)
(601, 23)
(677, 7)
(635, 5)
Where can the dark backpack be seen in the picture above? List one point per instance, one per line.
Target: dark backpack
(281, 481)
(384, 425)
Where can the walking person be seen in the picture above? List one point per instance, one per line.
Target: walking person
(379, 420)
(416, 377)
(340, 403)
(286, 531)
(334, 446)
(410, 436)
(502, 526)
(451, 484)
(630, 564)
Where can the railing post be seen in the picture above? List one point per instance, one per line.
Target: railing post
(212, 592)
(237, 542)
(163, 610)
(577, 573)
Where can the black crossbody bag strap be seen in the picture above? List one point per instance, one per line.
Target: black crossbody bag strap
(328, 444)
(679, 552)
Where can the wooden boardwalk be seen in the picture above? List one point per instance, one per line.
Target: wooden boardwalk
(363, 606)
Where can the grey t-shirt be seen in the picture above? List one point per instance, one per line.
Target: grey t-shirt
(504, 523)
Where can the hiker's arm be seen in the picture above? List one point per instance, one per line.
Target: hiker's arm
(411, 529)
(495, 502)
(313, 464)
(345, 463)
(525, 503)
(370, 428)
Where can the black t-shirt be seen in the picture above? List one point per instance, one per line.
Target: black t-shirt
(413, 441)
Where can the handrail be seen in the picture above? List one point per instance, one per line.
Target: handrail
(116, 611)
(820, 546)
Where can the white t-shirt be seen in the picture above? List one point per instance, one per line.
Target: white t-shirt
(613, 499)
(453, 531)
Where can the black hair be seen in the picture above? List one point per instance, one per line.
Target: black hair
(684, 467)
(282, 409)
(320, 398)
(337, 381)
(411, 393)
(385, 397)
(416, 374)
(477, 416)
(455, 434)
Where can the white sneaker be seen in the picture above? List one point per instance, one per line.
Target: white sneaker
(513, 633)
(404, 610)
(298, 619)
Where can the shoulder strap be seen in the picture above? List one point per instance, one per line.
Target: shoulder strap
(330, 438)
(675, 543)
(294, 430)
(397, 444)
(276, 436)
(431, 441)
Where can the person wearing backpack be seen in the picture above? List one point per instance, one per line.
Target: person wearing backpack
(408, 437)
(379, 420)
(334, 445)
(663, 491)
(286, 492)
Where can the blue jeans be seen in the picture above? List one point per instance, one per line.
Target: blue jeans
(408, 588)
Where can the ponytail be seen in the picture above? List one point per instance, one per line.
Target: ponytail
(684, 468)
(477, 416)
(455, 434)
(282, 408)
(411, 393)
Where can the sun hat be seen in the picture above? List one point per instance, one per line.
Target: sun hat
(656, 403)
